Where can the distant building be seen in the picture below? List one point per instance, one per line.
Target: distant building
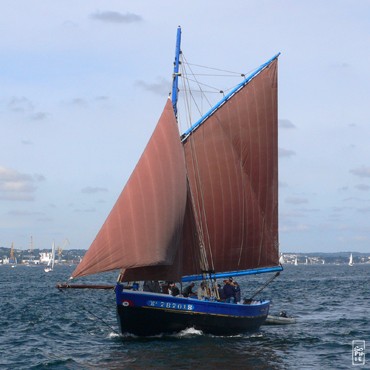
(45, 257)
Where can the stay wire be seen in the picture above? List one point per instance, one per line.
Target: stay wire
(93, 314)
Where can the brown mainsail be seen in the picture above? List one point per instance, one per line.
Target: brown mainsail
(232, 167)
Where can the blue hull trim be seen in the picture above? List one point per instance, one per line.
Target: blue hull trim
(147, 314)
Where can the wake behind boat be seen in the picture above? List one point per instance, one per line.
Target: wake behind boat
(198, 207)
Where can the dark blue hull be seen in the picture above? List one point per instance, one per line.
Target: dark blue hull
(147, 314)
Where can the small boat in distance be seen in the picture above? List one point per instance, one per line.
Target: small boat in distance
(50, 265)
(281, 319)
(350, 262)
(198, 207)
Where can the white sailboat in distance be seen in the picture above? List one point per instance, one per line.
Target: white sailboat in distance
(50, 266)
(350, 262)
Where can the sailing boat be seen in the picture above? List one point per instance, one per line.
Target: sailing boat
(50, 265)
(350, 262)
(198, 207)
(12, 258)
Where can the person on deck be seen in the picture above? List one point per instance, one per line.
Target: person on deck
(220, 292)
(202, 291)
(173, 289)
(188, 291)
(229, 293)
(237, 292)
(151, 286)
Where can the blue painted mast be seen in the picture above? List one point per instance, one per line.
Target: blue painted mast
(175, 82)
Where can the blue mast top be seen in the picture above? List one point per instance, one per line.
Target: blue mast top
(175, 83)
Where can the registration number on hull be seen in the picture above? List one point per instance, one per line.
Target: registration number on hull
(170, 305)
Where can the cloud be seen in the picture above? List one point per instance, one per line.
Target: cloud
(39, 116)
(364, 210)
(87, 210)
(16, 186)
(283, 185)
(93, 190)
(296, 200)
(293, 227)
(355, 199)
(341, 65)
(27, 142)
(116, 17)
(24, 213)
(361, 172)
(162, 87)
(78, 102)
(362, 187)
(285, 123)
(102, 98)
(22, 105)
(286, 153)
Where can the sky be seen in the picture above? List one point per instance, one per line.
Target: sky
(83, 84)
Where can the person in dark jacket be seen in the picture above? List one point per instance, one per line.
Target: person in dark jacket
(173, 289)
(229, 292)
(237, 293)
(220, 292)
(188, 291)
(151, 286)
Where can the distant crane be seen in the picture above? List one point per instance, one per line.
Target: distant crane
(60, 249)
(31, 246)
(12, 259)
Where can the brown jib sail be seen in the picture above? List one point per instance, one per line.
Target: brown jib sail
(217, 190)
(144, 227)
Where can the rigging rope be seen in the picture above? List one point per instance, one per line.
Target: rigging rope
(93, 314)
(264, 286)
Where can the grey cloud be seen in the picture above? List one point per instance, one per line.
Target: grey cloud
(39, 177)
(86, 210)
(361, 172)
(286, 152)
(116, 17)
(27, 142)
(39, 116)
(101, 98)
(362, 187)
(341, 65)
(162, 87)
(364, 210)
(16, 186)
(296, 200)
(285, 123)
(21, 105)
(93, 190)
(283, 184)
(24, 213)
(79, 102)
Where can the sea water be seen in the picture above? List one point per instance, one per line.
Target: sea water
(43, 328)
